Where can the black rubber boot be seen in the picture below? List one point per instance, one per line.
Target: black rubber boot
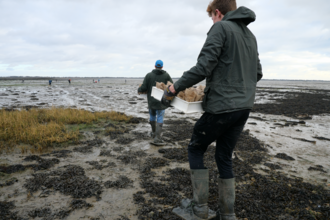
(153, 128)
(226, 199)
(157, 140)
(197, 209)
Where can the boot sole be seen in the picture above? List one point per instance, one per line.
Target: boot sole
(190, 216)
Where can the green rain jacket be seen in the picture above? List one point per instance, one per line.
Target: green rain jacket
(229, 61)
(157, 75)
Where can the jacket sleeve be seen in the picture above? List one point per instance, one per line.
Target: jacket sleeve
(169, 78)
(144, 86)
(259, 71)
(207, 59)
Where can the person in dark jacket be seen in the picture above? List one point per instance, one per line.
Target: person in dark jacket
(229, 61)
(156, 108)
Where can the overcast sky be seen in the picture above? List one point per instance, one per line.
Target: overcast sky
(124, 38)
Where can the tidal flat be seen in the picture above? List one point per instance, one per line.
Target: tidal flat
(281, 161)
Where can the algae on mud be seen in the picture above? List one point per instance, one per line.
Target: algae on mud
(272, 196)
(69, 180)
(300, 105)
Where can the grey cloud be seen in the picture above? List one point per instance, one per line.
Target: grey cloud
(126, 37)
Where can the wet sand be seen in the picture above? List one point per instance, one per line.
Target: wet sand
(300, 133)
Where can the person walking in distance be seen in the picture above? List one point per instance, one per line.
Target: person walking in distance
(156, 108)
(229, 61)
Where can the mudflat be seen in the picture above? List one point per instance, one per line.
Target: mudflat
(281, 161)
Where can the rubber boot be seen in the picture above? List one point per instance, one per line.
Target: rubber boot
(226, 199)
(157, 140)
(153, 128)
(200, 184)
(197, 209)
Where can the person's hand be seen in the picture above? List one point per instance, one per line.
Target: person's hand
(172, 89)
(168, 96)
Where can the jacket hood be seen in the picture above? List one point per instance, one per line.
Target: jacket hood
(158, 71)
(243, 14)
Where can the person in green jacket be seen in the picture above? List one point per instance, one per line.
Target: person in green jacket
(229, 62)
(156, 108)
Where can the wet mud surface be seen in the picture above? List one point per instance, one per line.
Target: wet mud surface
(115, 174)
(162, 185)
(271, 196)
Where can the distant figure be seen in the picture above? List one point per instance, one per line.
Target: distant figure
(99, 80)
(69, 81)
(50, 82)
(93, 80)
(156, 108)
(23, 81)
(125, 80)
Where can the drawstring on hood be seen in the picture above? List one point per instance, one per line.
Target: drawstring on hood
(244, 14)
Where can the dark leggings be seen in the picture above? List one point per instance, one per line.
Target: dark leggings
(225, 129)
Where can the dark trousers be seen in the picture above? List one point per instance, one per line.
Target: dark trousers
(225, 130)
